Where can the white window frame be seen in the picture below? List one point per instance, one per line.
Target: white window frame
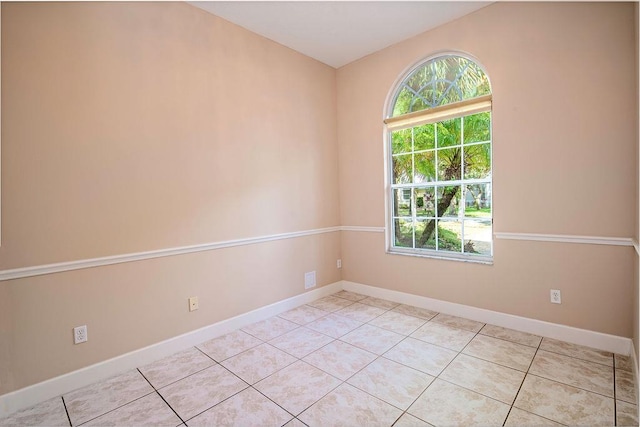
(433, 115)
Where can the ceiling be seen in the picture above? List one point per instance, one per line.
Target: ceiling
(338, 32)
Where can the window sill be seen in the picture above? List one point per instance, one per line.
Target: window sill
(474, 259)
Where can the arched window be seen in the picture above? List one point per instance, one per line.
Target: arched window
(439, 161)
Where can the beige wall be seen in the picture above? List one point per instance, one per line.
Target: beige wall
(131, 127)
(564, 162)
(145, 126)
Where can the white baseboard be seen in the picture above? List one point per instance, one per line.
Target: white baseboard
(606, 342)
(31, 395)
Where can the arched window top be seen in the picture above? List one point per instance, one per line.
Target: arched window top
(443, 80)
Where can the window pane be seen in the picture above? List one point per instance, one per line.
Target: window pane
(477, 201)
(477, 237)
(402, 202)
(449, 235)
(424, 137)
(425, 241)
(402, 102)
(402, 169)
(449, 201)
(425, 167)
(449, 164)
(477, 127)
(403, 232)
(477, 161)
(449, 132)
(440, 81)
(425, 202)
(401, 141)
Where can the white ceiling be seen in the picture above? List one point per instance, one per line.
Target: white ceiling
(338, 32)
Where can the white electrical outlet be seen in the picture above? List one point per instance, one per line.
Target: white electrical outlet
(80, 334)
(339, 263)
(193, 303)
(309, 279)
(556, 296)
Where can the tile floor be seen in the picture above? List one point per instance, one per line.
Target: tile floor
(353, 360)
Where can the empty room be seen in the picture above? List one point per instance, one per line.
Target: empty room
(319, 213)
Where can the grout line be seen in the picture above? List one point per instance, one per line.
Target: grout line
(118, 407)
(222, 401)
(161, 396)
(615, 400)
(170, 407)
(570, 385)
(66, 410)
(203, 352)
(271, 400)
(522, 383)
(181, 378)
(510, 341)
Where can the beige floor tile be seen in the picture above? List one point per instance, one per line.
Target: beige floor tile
(247, 408)
(340, 359)
(443, 335)
(495, 381)
(397, 322)
(301, 342)
(623, 362)
(380, 303)
(348, 406)
(50, 413)
(511, 335)
(270, 328)
(175, 367)
(373, 339)
(303, 314)
(297, 386)
(330, 303)
(564, 404)
(361, 312)
(150, 410)
(229, 345)
(410, 310)
(458, 322)
(579, 351)
(519, 418)
(422, 356)
(333, 325)
(258, 363)
(392, 382)
(626, 414)
(199, 392)
(502, 352)
(97, 399)
(575, 372)
(408, 420)
(447, 404)
(351, 296)
(625, 387)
